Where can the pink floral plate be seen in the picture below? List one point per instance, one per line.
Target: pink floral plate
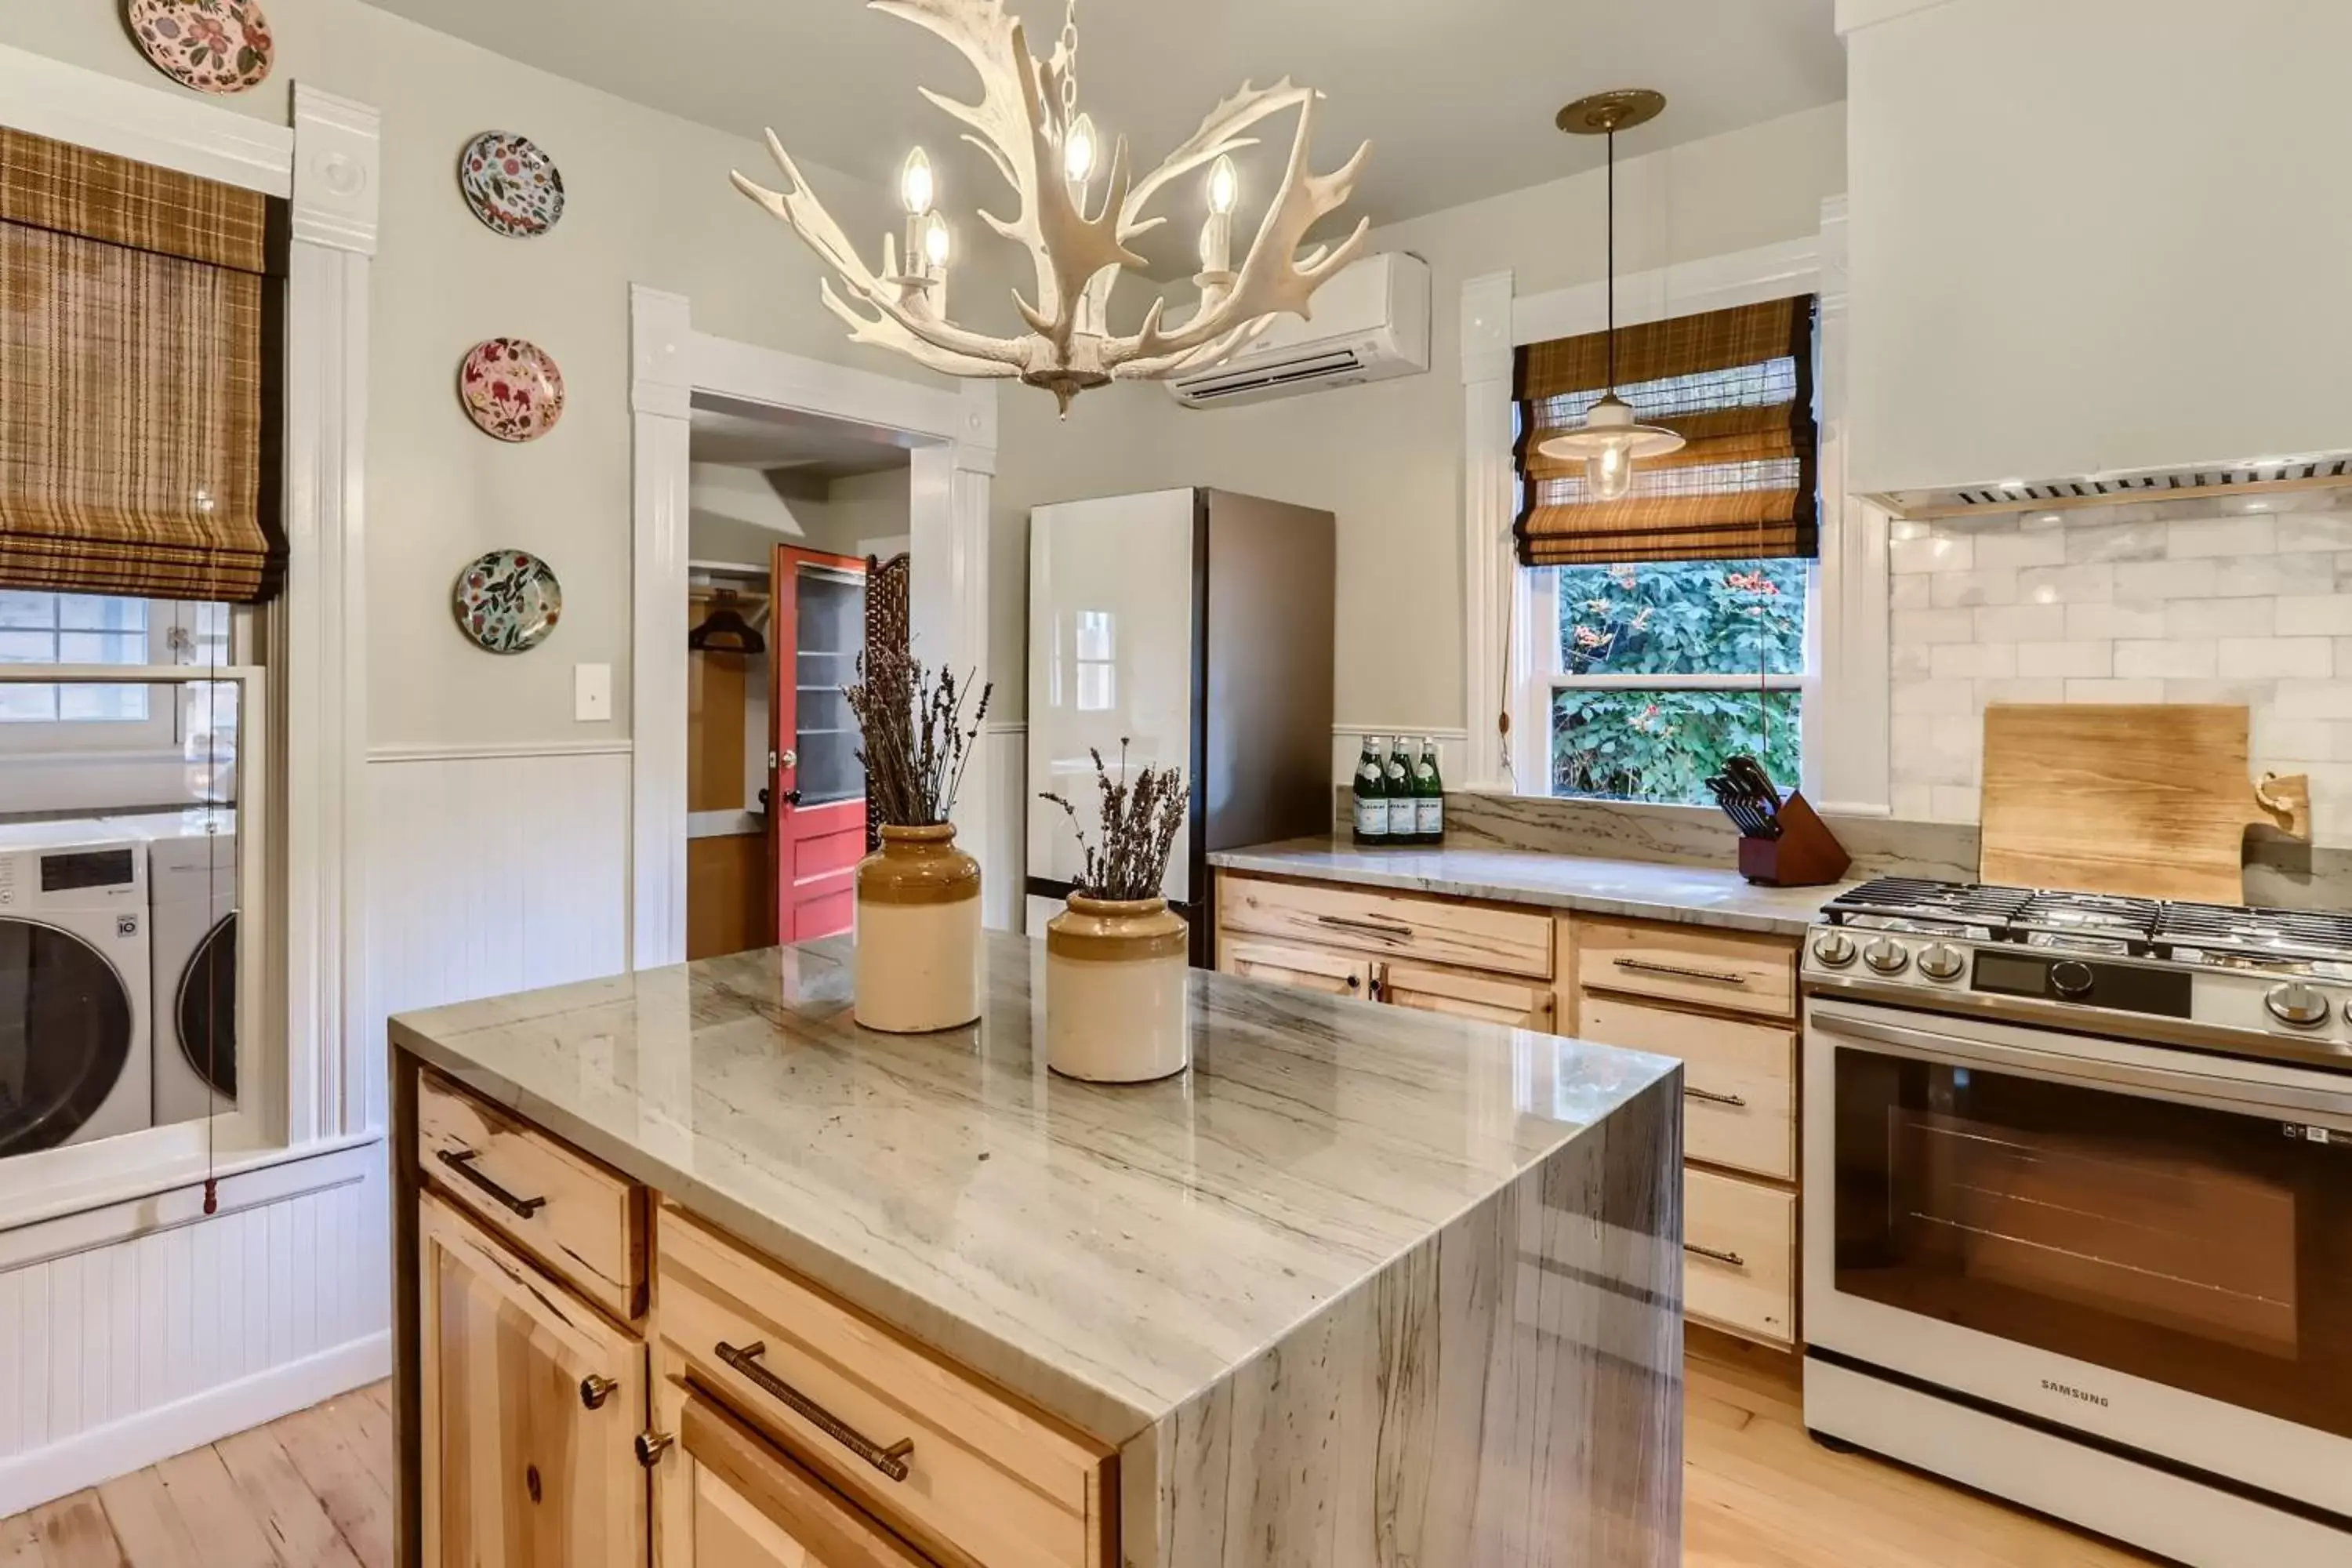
(508, 601)
(511, 389)
(511, 185)
(213, 46)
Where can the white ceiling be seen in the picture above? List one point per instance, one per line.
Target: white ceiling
(1457, 96)
(740, 437)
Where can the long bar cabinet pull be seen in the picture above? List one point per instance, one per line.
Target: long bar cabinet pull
(891, 1461)
(1691, 1091)
(1720, 976)
(1733, 1259)
(462, 1162)
(1377, 927)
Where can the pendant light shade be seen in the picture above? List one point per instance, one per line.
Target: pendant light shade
(1611, 441)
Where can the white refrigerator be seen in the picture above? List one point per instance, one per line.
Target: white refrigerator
(1196, 625)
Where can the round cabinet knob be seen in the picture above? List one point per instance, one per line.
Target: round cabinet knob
(2297, 1003)
(1886, 955)
(2071, 979)
(1834, 948)
(1941, 961)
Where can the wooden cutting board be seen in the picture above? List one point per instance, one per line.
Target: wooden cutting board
(2151, 799)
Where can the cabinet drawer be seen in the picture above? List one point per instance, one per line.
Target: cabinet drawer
(1389, 925)
(1481, 997)
(952, 1465)
(1688, 964)
(581, 1222)
(1740, 1256)
(1739, 1097)
(1303, 968)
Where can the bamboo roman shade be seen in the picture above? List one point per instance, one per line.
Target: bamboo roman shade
(134, 331)
(1736, 384)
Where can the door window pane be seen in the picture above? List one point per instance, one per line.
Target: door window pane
(72, 629)
(1618, 744)
(829, 610)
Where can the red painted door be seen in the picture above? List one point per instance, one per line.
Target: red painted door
(816, 823)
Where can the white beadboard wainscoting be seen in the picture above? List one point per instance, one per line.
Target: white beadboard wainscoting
(493, 870)
(114, 1354)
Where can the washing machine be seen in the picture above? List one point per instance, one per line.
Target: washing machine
(76, 1055)
(192, 893)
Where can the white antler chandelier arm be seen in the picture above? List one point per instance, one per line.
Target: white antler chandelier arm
(1220, 134)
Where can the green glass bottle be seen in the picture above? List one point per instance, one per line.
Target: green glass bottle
(1428, 796)
(1396, 779)
(1372, 796)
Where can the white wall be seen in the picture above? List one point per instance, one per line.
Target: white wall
(739, 515)
(867, 510)
(1388, 457)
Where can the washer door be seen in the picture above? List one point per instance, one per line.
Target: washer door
(204, 1013)
(65, 1034)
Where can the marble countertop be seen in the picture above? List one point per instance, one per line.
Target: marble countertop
(1108, 1252)
(1693, 895)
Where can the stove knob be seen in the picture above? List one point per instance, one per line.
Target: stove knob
(1941, 961)
(2299, 1004)
(1886, 955)
(2071, 980)
(1834, 948)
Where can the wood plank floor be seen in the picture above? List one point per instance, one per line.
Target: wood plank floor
(313, 1491)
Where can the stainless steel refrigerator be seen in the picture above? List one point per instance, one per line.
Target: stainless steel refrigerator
(1196, 624)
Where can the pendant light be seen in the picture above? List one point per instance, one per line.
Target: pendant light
(1611, 442)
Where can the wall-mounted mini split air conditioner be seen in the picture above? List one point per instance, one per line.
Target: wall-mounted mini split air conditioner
(1371, 323)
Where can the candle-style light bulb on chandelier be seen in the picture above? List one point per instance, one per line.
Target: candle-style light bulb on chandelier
(1611, 441)
(1028, 123)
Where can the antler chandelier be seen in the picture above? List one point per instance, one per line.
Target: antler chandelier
(1028, 123)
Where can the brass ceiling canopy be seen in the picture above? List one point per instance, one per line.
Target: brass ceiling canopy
(1620, 109)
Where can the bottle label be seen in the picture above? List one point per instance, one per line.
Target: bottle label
(1372, 817)
(1400, 817)
(1429, 815)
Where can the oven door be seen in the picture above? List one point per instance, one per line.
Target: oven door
(2149, 1246)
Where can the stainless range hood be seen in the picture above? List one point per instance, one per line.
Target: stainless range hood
(2260, 477)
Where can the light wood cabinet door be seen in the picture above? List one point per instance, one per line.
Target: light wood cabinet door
(731, 1498)
(1740, 1080)
(1305, 968)
(530, 1407)
(1734, 970)
(1489, 998)
(1740, 1257)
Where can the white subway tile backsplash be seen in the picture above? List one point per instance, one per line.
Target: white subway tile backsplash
(1913, 803)
(1952, 802)
(2137, 660)
(2315, 699)
(1934, 625)
(2121, 619)
(1937, 552)
(2037, 549)
(2088, 543)
(2311, 572)
(2317, 617)
(2315, 531)
(2059, 659)
(1949, 590)
(2086, 585)
(1972, 661)
(1907, 661)
(2021, 689)
(1936, 697)
(2115, 691)
(2019, 623)
(2256, 694)
(2220, 618)
(1908, 590)
(2260, 659)
(2221, 536)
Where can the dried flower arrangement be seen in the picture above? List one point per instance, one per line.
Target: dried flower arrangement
(916, 741)
(1140, 823)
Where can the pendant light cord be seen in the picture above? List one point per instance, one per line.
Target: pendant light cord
(1613, 261)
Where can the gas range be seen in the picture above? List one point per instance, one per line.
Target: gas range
(2266, 983)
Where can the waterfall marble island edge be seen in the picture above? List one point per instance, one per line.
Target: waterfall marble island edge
(1364, 1287)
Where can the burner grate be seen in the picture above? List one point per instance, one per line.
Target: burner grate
(2270, 933)
(2088, 915)
(1917, 898)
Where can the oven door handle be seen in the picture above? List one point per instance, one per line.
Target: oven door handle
(2251, 1096)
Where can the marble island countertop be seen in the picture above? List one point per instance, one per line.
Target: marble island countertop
(1693, 895)
(1109, 1254)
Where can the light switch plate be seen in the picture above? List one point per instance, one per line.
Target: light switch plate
(591, 692)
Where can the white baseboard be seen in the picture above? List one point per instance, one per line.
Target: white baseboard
(133, 1444)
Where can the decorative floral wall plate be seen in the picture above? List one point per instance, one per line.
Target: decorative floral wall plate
(213, 46)
(511, 389)
(513, 186)
(508, 601)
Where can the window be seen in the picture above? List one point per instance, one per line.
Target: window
(1659, 670)
(1098, 663)
(38, 628)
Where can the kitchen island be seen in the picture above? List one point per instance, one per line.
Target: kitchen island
(693, 1271)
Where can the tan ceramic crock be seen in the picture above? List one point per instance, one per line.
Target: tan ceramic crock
(917, 959)
(1116, 990)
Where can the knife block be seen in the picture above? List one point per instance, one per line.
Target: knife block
(1806, 855)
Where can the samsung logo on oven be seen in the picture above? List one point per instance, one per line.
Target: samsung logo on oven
(2084, 1394)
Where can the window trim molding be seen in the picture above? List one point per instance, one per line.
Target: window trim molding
(326, 162)
(1845, 760)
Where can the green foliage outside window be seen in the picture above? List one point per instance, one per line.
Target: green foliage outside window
(1691, 618)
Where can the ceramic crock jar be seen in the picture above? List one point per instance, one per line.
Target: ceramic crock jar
(917, 960)
(1115, 987)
